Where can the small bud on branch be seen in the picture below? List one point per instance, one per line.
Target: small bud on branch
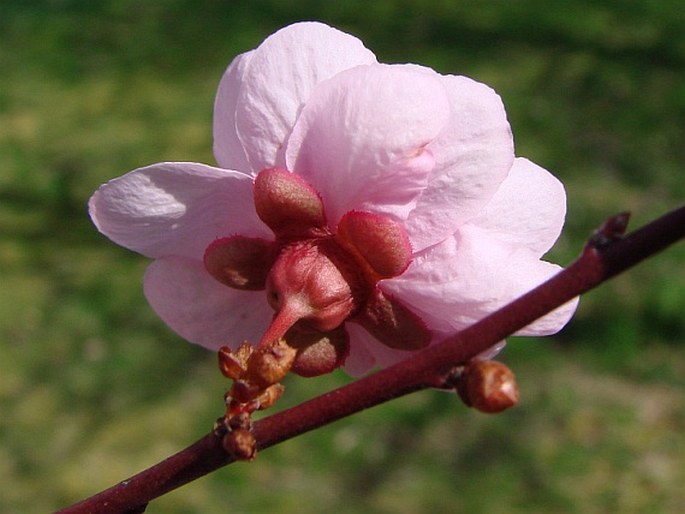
(487, 386)
(607, 254)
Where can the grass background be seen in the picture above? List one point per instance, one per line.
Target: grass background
(94, 388)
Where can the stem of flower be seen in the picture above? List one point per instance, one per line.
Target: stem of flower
(607, 254)
(285, 318)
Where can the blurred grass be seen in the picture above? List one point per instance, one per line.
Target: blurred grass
(93, 387)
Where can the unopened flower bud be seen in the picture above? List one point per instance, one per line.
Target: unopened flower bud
(240, 444)
(219, 428)
(488, 386)
(270, 363)
(269, 396)
(229, 363)
(243, 392)
(240, 420)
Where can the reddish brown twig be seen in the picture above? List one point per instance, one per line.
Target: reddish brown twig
(606, 254)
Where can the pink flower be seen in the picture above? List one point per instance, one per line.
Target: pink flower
(400, 181)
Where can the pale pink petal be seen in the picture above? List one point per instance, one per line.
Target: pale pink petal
(176, 208)
(228, 149)
(360, 360)
(473, 155)
(200, 309)
(361, 139)
(558, 318)
(528, 209)
(470, 275)
(491, 352)
(375, 354)
(367, 352)
(278, 80)
(386, 356)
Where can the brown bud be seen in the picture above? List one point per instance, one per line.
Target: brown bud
(488, 386)
(240, 420)
(230, 364)
(240, 444)
(270, 363)
(219, 428)
(269, 397)
(243, 392)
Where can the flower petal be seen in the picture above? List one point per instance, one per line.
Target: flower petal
(361, 138)
(175, 208)
(228, 149)
(202, 310)
(278, 80)
(528, 208)
(381, 355)
(473, 155)
(491, 352)
(470, 275)
(360, 360)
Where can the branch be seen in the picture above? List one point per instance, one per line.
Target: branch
(606, 254)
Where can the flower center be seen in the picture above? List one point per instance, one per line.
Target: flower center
(315, 283)
(317, 278)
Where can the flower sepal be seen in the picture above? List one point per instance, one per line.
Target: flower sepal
(288, 205)
(318, 353)
(240, 262)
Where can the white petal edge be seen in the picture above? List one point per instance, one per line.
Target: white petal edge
(228, 149)
(176, 208)
(200, 309)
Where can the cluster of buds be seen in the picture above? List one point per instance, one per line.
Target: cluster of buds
(486, 385)
(256, 375)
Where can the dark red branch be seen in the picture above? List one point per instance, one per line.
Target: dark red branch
(606, 254)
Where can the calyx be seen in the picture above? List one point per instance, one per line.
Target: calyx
(317, 278)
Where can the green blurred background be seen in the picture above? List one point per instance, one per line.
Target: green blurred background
(93, 387)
